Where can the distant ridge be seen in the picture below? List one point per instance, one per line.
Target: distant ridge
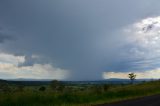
(25, 79)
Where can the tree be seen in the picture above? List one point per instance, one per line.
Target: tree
(132, 77)
(57, 85)
(42, 88)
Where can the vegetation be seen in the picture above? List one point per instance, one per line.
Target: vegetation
(42, 88)
(132, 77)
(74, 95)
(57, 85)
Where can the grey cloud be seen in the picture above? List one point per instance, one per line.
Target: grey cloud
(80, 36)
(4, 37)
(30, 60)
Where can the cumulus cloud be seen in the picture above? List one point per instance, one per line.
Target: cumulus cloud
(9, 69)
(141, 50)
(11, 59)
(30, 60)
(145, 33)
(144, 36)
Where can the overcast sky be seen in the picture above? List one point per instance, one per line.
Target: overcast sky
(79, 39)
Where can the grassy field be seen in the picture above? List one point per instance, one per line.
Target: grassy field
(74, 95)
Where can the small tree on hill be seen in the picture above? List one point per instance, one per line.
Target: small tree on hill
(132, 77)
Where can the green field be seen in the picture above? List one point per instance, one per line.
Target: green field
(74, 95)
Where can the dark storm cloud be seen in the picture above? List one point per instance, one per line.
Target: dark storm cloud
(79, 36)
(30, 60)
(3, 38)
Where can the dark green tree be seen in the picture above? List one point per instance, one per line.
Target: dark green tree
(132, 77)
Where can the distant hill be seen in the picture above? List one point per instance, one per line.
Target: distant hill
(111, 79)
(24, 79)
(35, 82)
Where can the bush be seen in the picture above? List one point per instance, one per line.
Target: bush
(20, 88)
(57, 85)
(42, 88)
(4, 87)
(106, 87)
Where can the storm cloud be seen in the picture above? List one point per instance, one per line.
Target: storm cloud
(83, 37)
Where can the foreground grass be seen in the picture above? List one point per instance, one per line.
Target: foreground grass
(87, 97)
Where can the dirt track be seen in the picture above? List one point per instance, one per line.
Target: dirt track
(144, 101)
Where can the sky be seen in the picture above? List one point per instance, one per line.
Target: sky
(79, 39)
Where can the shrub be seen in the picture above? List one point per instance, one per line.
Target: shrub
(4, 87)
(106, 87)
(20, 88)
(42, 88)
(57, 85)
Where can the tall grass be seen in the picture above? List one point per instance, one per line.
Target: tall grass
(72, 97)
